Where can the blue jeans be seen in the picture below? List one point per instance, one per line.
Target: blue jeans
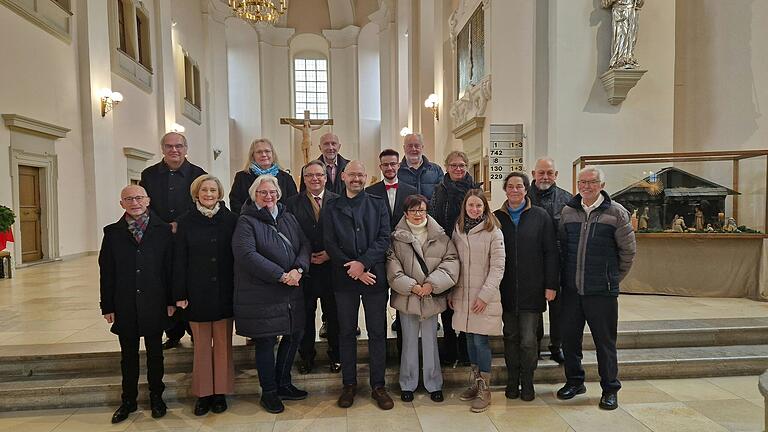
(276, 372)
(479, 351)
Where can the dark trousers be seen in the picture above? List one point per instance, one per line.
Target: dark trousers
(520, 347)
(314, 290)
(454, 345)
(274, 371)
(375, 307)
(555, 340)
(129, 364)
(601, 314)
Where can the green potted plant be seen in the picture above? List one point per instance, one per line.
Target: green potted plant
(7, 218)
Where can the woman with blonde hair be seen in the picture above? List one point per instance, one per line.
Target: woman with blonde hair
(262, 160)
(476, 299)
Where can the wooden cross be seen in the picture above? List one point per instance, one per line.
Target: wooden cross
(306, 126)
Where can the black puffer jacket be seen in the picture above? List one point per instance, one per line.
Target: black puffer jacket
(203, 264)
(445, 204)
(263, 305)
(238, 196)
(532, 261)
(552, 200)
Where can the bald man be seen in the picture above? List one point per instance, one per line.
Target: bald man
(135, 268)
(334, 163)
(356, 233)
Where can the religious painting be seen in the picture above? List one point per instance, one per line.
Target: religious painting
(470, 47)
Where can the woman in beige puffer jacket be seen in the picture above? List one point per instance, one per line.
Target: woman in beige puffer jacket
(420, 293)
(476, 299)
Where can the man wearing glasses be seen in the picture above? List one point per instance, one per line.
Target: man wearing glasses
(167, 184)
(309, 209)
(597, 246)
(135, 264)
(416, 169)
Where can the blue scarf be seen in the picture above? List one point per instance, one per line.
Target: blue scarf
(271, 170)
(515, 213)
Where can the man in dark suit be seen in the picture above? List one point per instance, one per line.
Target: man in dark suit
(135, 264)
(334, 163)
(394, 193)
(167, 184)
(309, 209)
(356, 231)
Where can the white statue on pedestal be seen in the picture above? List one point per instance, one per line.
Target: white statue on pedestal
(626, 14)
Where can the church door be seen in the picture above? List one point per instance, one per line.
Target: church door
(30, 214)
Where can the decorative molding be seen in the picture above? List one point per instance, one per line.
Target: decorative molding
(46, 14)
(133, 71)
(138, 154)
(473, 103)
(470, 127)
(343, 38)
(459, 17)
(217, 10)
(385, 16)
(192, 112)
(26, 124)
(618, 82)
(275, 36)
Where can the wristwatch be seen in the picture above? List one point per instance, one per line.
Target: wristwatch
(300, 270)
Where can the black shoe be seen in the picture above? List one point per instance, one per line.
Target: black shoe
(436, 396)
(306, 366)
(609, 401)
(569, 391)
(170, 343)
(203, 405)
(334, 367)
(123, 411)
(406, 396)
(357, 332)
(527, 393)
(512, 392)
(557, 356)
(219, 404)
(324, 330)
(271, 402)
(447, 362)
(290, 392)
(157, 405)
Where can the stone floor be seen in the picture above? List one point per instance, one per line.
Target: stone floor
(700, 405)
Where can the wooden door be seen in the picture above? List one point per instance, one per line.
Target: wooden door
(30, 214)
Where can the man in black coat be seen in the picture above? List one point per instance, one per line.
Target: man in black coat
(356, 230)
(135, 265)
(546, 194)
(309, 209)
(167, 184)
(334, 164)
(394, 193)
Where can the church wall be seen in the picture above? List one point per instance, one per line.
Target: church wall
(721, 83)
(370, 94)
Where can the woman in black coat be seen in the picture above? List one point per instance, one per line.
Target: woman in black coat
(203, 285)
(271, 255)
(531, 278)
(262, 160)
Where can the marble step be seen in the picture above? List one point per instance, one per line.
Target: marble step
(50, 359)
(84, 389)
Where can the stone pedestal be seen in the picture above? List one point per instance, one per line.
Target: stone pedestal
(618, 82)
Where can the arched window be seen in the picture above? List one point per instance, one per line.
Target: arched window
(310, 83)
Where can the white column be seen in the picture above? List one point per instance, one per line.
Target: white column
(218, 89)
(343, 86)
(388, 61)
(165, 68)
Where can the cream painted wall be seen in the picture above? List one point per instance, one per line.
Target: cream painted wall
(721, 82)
(369, 83)
(40, 81)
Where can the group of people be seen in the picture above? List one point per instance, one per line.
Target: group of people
(422, 240)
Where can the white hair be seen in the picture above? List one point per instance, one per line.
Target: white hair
(261, 179)
(417, 135)
(592, 169)
(546, 159)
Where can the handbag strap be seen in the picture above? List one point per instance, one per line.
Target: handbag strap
(283, 237)
(421, 261)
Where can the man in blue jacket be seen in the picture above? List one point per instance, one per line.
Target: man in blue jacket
(356, 232)
(416, 170)
(597, 246)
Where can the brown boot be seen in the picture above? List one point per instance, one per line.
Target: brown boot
(347, 397)
(471, 392)
(483, 400)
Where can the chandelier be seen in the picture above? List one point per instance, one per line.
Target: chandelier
(255, 11)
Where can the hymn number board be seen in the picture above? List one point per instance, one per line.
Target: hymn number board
(506, 150)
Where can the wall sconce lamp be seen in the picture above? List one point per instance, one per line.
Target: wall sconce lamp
(177, 128)
(216, 153)
(431, 103)
(405, 131)
(109, 100)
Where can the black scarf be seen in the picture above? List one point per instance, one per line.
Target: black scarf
(456, 190)
(470, 223)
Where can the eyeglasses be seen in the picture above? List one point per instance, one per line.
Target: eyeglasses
(589, 182)
(516, 187)
(413, 146)
(416, 212)
(174, 146)
(267, 192)
(389, 165)
(136, 198)
(310, 176)
(457, 166)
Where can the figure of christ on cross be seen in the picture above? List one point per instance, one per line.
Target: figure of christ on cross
(306, 126)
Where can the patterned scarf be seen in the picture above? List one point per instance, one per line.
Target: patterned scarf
(258, 171)
(470, 223)
(209, 213)
(137, 226)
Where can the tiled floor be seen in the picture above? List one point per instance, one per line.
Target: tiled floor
(700, 405)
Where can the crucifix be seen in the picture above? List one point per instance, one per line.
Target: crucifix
(306, 126)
